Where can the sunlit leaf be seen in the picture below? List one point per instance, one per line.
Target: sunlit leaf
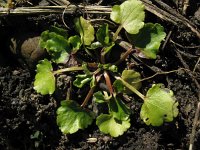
(159, 106)
(71, 117)
(44, 80)
(108, 124)
(85, 29)
(148, 40)
(130, 15)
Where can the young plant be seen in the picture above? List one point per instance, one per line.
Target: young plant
(96, 70)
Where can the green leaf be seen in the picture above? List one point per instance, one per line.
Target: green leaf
(61, 57)
(71, 117)
(130, 15)
(85, 29)
(108, 48)
(99, 97)
(82, 79)
(131, 76)
(109, 67)
(53, 42)
(44, 80)
(118, 86)
(76, 43)
(95, 45)
(108, 124)
(159, 106)
(148, 39)
(102, 34)
(119, 109)
(56, 43)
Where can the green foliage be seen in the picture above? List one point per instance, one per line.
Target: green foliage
(75, 42)
(117, 121)
(100, 97)
(44, 79)
(82, 79)
(101, 75)
(149, 46)
(130, 15)
(71, 117)
(159, 106)
(130, 76)
(103, 35)
(85, 29)
(110, 125)
(56, 43)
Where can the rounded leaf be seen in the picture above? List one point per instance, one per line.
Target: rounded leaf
(44, 80)
(71, 117)
(148, 39)
(159, 106)
(130, 15)
(110, 125)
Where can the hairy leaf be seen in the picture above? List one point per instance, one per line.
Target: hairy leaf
(148, 39)
(108, 124)
(44, 80)
(103, 34)
(85, 29)
(82, 79)
(130, 15)
(71, 117)
(159, 106)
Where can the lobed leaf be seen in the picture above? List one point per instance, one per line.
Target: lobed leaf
(44, 80)
(85, 29)
(56, 43)
(71, 117)
(130, 15)
(148, 39)
(108, 124)
(159, 106)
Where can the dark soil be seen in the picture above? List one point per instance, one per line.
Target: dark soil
(28, 119)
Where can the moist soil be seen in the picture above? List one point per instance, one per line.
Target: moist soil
(28, 119)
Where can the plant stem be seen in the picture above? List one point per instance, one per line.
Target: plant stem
(132, 88)
(77, 68)
(108, 82)
(117, 32)
(89, 95)
(124, 56)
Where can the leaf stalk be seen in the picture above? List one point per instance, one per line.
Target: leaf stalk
(76, 68)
